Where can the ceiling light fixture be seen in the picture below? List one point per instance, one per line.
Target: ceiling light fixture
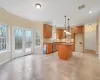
(38, 6)
(54, 21)
(90, 12)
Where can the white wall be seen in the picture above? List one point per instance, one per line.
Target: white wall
(5, 56)
(12, 20)
(98, 46)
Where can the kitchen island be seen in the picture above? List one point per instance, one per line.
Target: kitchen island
(65, 50)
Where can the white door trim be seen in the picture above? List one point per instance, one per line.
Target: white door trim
(13, 41)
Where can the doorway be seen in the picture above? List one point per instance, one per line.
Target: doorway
(22, 42)
(79, 42)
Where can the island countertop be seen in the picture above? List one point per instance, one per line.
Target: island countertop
(67, 44)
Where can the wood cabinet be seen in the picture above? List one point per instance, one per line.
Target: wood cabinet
(78, 29)
(60, 34)
(64, 51)
(49, 48)
(57, 45)
(47, 31)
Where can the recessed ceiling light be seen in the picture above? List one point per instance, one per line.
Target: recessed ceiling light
(90, 12)
(54, 21)
(38, 6)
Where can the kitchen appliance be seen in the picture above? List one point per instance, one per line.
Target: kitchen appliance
(54, 46)
(44, 48)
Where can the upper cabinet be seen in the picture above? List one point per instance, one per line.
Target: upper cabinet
(60, 34)
(47, 31)
(78, 29)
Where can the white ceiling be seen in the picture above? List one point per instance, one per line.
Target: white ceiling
(54, 10)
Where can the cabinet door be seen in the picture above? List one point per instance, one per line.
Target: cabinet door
(56, 47)
(62, 34)
(49, 29)
(44, 31)
(81, 29)
(58, 34)
(49, 48)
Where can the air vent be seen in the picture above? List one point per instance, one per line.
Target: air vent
(81, 7)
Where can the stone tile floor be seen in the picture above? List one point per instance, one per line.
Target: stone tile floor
(81, 66)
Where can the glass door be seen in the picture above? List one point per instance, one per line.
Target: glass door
(28, 41)
(18, 42)
(22, 42)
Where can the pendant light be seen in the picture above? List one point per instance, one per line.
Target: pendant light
(67, 29)
(65, 24)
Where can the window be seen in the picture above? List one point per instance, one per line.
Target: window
(38, 38)
(3, 37)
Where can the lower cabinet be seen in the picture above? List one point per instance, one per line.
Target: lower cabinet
(56, 47)
(49, 48)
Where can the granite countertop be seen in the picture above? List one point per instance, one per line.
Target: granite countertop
(57, 42)
(67, 44)
(60, 42)
(47, 42)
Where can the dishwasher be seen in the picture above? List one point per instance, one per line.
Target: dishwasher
(54, 47)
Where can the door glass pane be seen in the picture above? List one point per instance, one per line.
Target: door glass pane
(37, 38)
(3, 31)
(37, 35)
(37, 42)
(28, 40)
(18, 39)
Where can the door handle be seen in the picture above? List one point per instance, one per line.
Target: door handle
(80, 43)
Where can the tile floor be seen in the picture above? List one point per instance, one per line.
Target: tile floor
(81, 66)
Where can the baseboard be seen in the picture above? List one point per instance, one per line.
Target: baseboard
(5, 62)
(90, 51)
(22, 56)
(13, 58)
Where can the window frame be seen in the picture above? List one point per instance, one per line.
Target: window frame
(37, 31)
(7, 39)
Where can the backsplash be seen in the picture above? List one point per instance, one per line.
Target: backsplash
(47, 40)
(50, 40)
(60, 40)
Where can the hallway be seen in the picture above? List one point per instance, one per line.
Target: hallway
(49, 67)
